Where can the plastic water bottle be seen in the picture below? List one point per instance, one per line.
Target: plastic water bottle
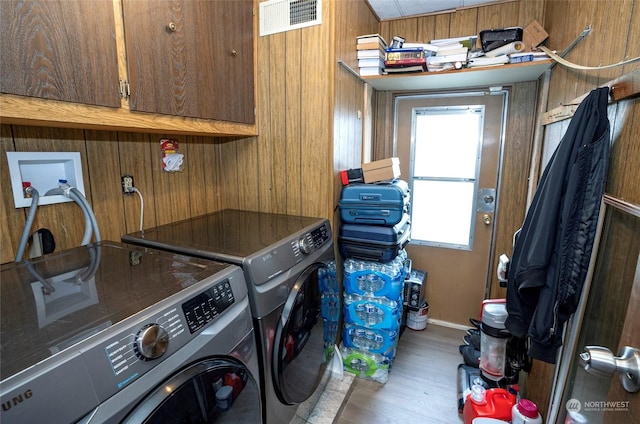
(525, 412)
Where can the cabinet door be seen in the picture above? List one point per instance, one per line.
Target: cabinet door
(191, 58)
(61, 50)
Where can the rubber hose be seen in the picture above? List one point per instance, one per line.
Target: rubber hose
(87, 207)
(88, 231)
(27, 226)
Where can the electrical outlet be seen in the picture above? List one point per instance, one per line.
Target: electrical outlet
(127, 184)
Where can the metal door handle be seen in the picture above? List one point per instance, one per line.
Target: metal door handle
(600, 361)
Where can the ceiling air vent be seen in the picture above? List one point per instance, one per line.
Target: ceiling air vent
(285, 15)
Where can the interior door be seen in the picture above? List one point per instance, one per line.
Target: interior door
(609, 318)
(460, 267)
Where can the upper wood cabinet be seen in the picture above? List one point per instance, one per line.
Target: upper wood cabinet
(191, 58)
(183, 66)
(60, 50)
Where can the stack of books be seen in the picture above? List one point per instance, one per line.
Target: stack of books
(405, 59)
(371, 53)
(450, 53)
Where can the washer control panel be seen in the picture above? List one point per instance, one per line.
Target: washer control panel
(311, 241)
(269, 264)
(206, 306)
(156, 334)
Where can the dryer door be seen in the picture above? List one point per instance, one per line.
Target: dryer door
(299, 358)
(214, 390)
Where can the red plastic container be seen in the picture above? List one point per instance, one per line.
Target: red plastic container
(491, 403)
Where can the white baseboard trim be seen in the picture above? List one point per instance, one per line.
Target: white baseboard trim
(448, 324)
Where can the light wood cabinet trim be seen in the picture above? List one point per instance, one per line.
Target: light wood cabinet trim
(39, 112)
(120, 48)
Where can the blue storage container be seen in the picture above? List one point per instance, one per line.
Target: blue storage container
(374, 242)
(374, 204)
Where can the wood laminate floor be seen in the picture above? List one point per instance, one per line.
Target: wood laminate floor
(422, 383)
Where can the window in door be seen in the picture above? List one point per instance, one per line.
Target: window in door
(445, 166)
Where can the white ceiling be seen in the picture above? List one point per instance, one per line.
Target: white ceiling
(396, 9)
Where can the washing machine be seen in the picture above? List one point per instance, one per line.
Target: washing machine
(283, 258)
(110, 333)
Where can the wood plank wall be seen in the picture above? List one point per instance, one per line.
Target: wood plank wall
(105, 157)
(352, 116)
(291, 167)
(615, 36)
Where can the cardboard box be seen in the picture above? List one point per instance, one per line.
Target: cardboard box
(381, 170)
(533, 35)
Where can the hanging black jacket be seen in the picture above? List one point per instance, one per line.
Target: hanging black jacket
(553, 248)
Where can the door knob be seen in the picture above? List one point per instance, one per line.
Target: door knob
(486, 218)
(600, 361)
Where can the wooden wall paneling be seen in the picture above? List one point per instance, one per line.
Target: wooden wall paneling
(530, 10)
(230, 166)
(500, 15)
(539, 384)
(135, 151)
(13, 219)
(426, 28)
(383, 143)
(443, 26)
(204, 189)
(633, 40)
(103, 171)
(342, 156)
(405, 28)
(352, 18)
(247, 184)
(624, 173)
(288, 160)
(512, 197)
(464, 22)
(64, 220)
(170, 189)
(316, 114)
(263, 103)
(279, 108)
(605, 44)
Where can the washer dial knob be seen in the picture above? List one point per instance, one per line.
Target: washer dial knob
(152, 341)
(305, 245)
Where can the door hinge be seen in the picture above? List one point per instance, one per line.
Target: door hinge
(125, 89)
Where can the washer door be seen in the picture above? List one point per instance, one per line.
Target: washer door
(299, 354)
(209, 391)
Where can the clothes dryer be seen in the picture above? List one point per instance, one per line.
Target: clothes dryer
(283, 258)
(108, 333)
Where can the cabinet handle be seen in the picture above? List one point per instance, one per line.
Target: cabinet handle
(172, 27)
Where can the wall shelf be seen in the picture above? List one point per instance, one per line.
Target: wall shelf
(463, 78)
